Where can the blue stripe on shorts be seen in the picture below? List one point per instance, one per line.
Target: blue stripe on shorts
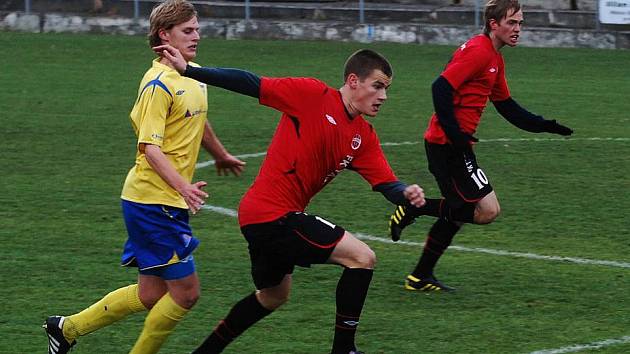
(158, 235)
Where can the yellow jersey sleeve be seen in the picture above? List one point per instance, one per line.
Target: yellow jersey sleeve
(154, 105)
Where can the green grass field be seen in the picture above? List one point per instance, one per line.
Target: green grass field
(68, 144)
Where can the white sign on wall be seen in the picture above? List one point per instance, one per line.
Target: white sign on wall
(615, 12)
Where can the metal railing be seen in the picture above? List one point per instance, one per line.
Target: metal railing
(601, 16)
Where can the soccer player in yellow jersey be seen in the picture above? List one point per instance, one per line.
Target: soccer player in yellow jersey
(169, 119)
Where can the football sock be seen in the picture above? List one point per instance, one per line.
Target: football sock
(438, 240)
(440, 208)
(352, 290)
(431, 207)
(111, 308)
(242, 316)
(160, 322)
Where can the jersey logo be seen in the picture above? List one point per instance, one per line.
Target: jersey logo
(356, 142)
(180, 92)
(463, 46)
(493, 70)
(331, 119)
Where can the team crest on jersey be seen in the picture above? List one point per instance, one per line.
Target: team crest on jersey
(356, 142)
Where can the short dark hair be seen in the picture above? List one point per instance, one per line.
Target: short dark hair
(166, 15)
(363, 62)
(498, 10)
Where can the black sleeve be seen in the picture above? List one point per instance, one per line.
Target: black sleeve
(519, 116)
(236, 80)
(392, 191)
(443, 104)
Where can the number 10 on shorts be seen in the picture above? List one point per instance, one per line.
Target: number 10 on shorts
(480, 178)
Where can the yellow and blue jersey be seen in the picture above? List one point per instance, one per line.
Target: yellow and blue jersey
(170, 112)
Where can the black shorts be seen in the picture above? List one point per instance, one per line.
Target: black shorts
(457, 173)
(294, 239)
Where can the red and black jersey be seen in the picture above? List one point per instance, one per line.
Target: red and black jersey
(315, 140)
(476, 72)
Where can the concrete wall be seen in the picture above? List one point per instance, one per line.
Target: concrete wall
(316, 30)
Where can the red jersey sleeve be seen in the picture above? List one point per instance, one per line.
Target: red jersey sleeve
(500, 91)
(467, 62)
(371, 163)
(290, 94)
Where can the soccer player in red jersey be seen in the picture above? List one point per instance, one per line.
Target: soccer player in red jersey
(320, 134)
(475, 74)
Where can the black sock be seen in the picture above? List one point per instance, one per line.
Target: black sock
(431, 207)
(242, 316)
(438, 240)
(351, 293)
(440, 208)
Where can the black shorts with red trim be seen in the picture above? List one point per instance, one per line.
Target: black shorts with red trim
(457, 173)
(297, 238)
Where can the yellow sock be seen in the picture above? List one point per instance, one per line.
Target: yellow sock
(111, 308)
(159, 323)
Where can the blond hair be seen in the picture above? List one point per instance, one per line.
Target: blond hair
(498, 10)
(167, 15)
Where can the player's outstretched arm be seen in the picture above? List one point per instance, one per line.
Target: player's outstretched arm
(523, 119)
(236, 80)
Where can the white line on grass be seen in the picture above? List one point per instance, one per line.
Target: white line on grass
(232, 213)
(506, 140)
(581, 347)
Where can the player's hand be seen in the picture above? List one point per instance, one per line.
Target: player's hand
(194, 196)
(415, 195)
(173, 55)
(229, 163)
(554, 127)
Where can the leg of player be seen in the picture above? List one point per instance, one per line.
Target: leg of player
(182, 292)
(63, 331)
(439, 239)
(484, 211)
(404, 216)
(359, 261)
(487, 209)
(244, 314)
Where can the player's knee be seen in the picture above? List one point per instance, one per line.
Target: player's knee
(488, 215)
(189, 298)
(273, 300)
(365, 259)
(149, 299)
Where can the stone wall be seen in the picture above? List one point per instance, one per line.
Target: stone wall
(316, 30)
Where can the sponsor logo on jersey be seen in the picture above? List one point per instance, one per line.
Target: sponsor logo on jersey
(493, 70)
(190, 114)
(345, 162)
(180, 92)
(331, 119)
(356, 142)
